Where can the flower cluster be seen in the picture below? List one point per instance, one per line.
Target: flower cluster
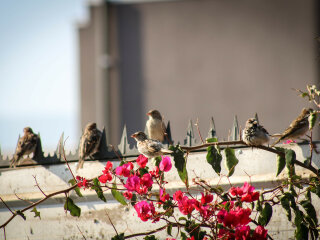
(246, 192)
(82, 182)
(145, 210)
(107, 174)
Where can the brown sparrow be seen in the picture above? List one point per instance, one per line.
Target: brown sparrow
(155, 126)
(148, 147)
(89, 142)
(27, 144)
(254, 134)
(297, 128)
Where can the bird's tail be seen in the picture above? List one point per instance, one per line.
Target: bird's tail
(80, 163)
(16, 158)
(166, 151)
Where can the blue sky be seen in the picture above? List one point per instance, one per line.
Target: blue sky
(39, 70)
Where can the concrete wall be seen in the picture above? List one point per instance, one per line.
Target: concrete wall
(94, 222)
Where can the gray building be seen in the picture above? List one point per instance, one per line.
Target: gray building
(193, 59)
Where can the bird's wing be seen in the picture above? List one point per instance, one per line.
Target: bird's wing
(92, 141)
(153, 146)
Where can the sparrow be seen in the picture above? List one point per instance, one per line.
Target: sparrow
(27, 144)
(254, 134)
(297, 128)
(148, 147)
(89, 142)
(155, 125)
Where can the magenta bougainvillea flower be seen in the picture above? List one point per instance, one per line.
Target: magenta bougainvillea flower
(165, 164)
(246, 192)
(124, 170)
(144, 210)
(142, 161)
(133, 183)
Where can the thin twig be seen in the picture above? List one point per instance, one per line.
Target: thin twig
(256, 223)
(112, 224)
(114, 150)
(28, 201)
(38, 185)
(7, 205)
(65, 159)
(81, 233)
(37, 203)
(4, 232)
(197, 125)
(211, 144)
(146, 233)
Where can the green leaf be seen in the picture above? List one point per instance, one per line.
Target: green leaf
(211, 140)
(180, 163)
(311, 212)
(301, 232)
(97, 188)
(21, 214)
(36, 212)
(157, 161)
(290, 159)
(312, 120)
(169, 230)
(74, 210)
(118, 237)
(117, 195)
(183, 236)
(77, 189)
(281, 161)
(265, 215)
(298, 219)
(231, 160)
(285, 203)
(133, 200)
(151, 237)
(214, 156)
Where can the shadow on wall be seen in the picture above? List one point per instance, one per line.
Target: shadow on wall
(130, 66)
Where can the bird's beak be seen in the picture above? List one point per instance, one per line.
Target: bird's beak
(133, 135)
(148, 113)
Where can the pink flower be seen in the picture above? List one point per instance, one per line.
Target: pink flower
(105, 177)
(186, 205)
(128, 195)
(289, 141)
(146, 180)
(142, 161)
(165, 164)
(124, 170)
(133, 183)
(246, 192)
(234, 217)
(192, 238)
(155, 172)
(109, 165)
(82, 182)
(163, 195)
(178, 195)
(206, 198)
(145, 210)
(242, 233)
(260, 233)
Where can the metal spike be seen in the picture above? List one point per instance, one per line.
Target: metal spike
(212, 131)
(256, 117)
(168, 138)
(38, 154)
(189, 140)
(124, 145)
(58, 152)
(235, 129)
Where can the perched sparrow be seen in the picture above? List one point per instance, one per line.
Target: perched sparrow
(89, 142)
(26, 145)
(148, 147)
(297, 128)
(155, 126)
(254, 134)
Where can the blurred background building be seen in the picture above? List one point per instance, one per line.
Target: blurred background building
(195, 59)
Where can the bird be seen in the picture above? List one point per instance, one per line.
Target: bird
(297, 128)
(89, 142)
(254, 134)
(155, 126)
(148, 147)
(27, 144)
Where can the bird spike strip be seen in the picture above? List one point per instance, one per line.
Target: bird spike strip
(106, 151)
